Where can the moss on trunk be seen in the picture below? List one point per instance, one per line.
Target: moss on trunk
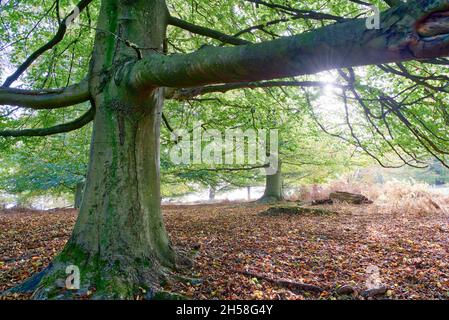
(119, 242)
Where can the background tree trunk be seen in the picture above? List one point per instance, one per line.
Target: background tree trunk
(212, 192)
(79, 194)
(273, 187)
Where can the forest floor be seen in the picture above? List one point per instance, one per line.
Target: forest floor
(407, 253)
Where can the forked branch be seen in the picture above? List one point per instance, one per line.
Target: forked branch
(58, 37)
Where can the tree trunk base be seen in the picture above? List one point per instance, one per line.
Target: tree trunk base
(117, 278)
(105, 279)
(269, 200)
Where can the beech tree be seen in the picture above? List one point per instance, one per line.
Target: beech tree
(119, 242)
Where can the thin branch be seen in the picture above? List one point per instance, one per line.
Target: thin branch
(262, 26)
(351, 78)
(62, 128)
(203, 31)
(167, 124)
(306, 14)
(185, 94)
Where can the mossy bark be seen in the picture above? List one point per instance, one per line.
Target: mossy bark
(119, 242)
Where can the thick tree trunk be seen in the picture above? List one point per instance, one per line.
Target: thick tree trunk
(119, 242)
(273, 187)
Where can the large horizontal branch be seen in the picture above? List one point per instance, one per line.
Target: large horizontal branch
(185, 94)
(45, 99)
(62, 128)
(203, 31)
(57, 38)
(340, 45)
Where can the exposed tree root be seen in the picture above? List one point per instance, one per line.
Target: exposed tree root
(372, 293)
(29, 285)
(292, 285)
(295, 210)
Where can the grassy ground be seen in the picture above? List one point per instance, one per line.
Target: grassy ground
(409, 250)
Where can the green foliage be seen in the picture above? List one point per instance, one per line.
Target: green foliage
(309, 155)
(57, 164)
